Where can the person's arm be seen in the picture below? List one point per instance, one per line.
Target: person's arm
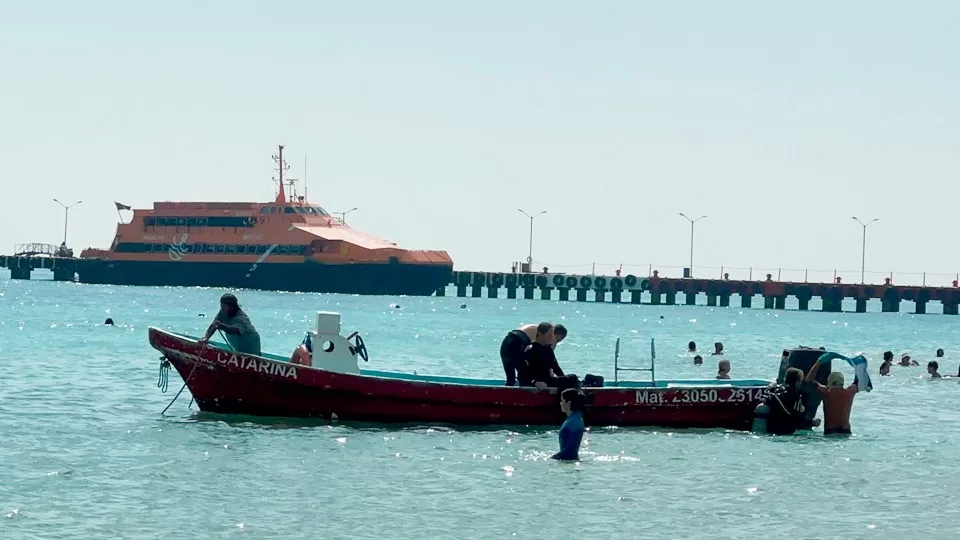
(212, 328)
(554, 365)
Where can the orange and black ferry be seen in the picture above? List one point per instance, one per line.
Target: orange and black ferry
(285, 245)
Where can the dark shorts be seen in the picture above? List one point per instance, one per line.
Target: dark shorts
(512, 351)
(837, 431)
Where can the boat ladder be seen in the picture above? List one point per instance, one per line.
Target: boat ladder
(653, 360)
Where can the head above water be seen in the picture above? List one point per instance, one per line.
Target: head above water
(571, 400)
(545, 333)
(939, 353)
(723, 366)
(697, 360)
(793, 378)
(933, 366)
(229, 305)
(835, 380)
(718, 346)
(888, 356)
(692, 346)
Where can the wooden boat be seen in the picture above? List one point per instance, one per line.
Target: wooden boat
(334, 387)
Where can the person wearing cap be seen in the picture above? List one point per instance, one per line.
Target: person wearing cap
(236, 326)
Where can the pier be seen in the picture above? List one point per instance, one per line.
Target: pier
(656, 290)
(30, 257)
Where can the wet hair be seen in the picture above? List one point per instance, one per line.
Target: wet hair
(888, 355)
(792, 377)
(933, 364)
(698, 359)
(560, 331)
(574, 397)
(544, 328)
(939, 353)
(692, 346)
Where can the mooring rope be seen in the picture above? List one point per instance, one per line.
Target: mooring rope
(163, 380)
(195, 364)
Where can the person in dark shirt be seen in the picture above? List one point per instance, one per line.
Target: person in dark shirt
(513, 348)
(571, 432)
(786, 406)
(543, 370)
(233, 321)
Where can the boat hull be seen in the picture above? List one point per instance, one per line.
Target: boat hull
(360, 278)
(229, 383)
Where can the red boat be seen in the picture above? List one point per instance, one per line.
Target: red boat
(334, 387)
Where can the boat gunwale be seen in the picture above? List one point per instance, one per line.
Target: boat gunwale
(659, 385)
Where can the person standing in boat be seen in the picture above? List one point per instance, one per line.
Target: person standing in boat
(571, 432)
(514, 346)
(233, 321)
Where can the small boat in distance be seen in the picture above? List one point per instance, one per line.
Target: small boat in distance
(285, 245)
(334, 387)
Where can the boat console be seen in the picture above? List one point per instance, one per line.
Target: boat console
(332, 351)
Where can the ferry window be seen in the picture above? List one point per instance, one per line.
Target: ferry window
(281, 250)
(161, 222)
(261, 249)
(149, 221)
(209, 248)
(288, 210)
(157, 248)
(273, 209)
(322, 212)
(198, 248)
(231, 248)
(265, 210)
(221, 248)
(202, 222)
(191, 222)
(181, 222)
(148, 248)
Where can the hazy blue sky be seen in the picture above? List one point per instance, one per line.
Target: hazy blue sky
(438, 120)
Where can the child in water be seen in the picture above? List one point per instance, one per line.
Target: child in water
(571, 432)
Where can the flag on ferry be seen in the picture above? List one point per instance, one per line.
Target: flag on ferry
(121, 206)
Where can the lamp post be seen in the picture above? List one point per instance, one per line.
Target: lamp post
(530, 254)
(692, 221)
(343, 215)
(66, 216)
(863, 249)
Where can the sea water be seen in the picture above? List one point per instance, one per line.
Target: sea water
(85, 452)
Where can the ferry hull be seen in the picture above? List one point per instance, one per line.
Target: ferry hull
(365, 279)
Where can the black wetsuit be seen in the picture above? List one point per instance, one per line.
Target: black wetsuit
(786, 411)
(512, 354)
(541, 360)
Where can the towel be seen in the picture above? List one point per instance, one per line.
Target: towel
(859, 364)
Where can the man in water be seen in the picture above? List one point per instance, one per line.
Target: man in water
(723, 369)
(837, 401)
(513, 347)
(785, 402)
(933, 368)
(571, 432)
(233, 321)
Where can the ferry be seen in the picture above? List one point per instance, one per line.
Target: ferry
(285, 245)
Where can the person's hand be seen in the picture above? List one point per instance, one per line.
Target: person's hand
(816, 422)
(217, 325)
(541, 385)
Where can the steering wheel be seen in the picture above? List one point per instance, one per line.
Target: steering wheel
(361, 348)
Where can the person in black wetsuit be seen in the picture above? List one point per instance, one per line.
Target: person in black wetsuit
(514, 346)
(786, 406)
(542, 369)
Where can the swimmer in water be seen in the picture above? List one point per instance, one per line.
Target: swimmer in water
(837, 401)
(718, 348)
(723, 369)
(514, 346)
(885, 366)
(571, 432)
(905, 360)
(698, 360)
(933, 369)
(691, 347)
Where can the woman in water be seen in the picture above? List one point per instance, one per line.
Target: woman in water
(233, 321)
(571, 432)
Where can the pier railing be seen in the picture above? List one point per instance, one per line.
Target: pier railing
(758, 273)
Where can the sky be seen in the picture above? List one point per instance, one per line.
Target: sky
(439, 120)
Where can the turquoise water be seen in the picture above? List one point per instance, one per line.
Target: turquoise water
(86, 454)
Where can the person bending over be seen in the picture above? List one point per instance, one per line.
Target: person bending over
(233, 321)
(542, 369)
(786, 406)
(513, 348)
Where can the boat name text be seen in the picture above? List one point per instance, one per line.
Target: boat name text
(689, 396)
(252, 363)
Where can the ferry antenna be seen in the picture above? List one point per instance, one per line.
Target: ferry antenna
(282, 167)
